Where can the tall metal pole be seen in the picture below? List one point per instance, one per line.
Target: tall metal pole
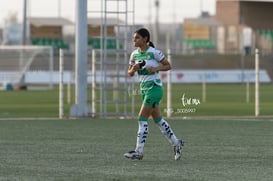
(150, 14)
(201, 7)
(24, 30)
(23, 42)
(81, 109)
(156, 32)
(59, 8)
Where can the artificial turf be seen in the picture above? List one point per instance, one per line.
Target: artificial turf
(92, 149)
(219, 99)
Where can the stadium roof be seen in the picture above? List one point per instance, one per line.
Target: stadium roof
(49, 21)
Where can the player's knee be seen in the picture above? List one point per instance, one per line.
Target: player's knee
(157, 119)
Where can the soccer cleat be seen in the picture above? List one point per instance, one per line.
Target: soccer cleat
(134, 155)
(178, 150)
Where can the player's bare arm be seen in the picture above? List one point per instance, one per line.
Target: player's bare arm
(132, 69)
(165, 66)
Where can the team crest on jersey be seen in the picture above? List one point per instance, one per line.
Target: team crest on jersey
(148, 56)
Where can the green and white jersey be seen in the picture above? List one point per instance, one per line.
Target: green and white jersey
(152, 58)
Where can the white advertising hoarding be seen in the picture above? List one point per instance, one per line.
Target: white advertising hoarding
(177, 76)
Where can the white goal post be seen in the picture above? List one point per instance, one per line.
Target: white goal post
(19, 65)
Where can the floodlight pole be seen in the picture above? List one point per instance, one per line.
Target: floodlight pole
(81, 109)
(24, 29)
(156, 32)
(23, 40)
(59, 8)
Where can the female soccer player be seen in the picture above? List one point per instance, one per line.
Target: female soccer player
(147, 62)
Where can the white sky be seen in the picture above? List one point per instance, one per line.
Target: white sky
(169, 11)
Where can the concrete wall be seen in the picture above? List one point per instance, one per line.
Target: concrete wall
(235, 15)
(257, 15)
(228, 12)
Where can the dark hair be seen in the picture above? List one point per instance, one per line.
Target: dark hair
(145, 33)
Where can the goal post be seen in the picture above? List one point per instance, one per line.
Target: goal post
(22, 65)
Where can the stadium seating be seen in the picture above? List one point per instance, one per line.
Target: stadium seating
(200, 44)
(266, 33)
(56, 43)
(96, 43)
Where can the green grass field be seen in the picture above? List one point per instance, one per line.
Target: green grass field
(221, 100)
(92, 149)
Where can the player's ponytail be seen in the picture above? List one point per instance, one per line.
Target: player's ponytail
(145, 33)
(151, 44)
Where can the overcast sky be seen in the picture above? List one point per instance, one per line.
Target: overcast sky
(169, 10)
